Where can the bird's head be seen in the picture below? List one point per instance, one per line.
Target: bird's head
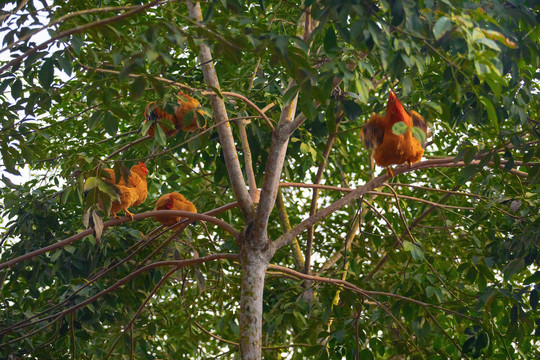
(140, 169)
(169, 202)
(394, 108)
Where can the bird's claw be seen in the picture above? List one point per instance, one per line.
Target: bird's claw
(129, 214)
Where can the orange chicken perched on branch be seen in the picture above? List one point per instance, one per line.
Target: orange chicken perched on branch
(131, 194)
(395, 144)
(178, 121)
(173, 201)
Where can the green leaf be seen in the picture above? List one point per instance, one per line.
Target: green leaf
(399, 128)
(8, 182)
(489, 43)
(128, 68)
(168, 125)
(159, 135)
(65, 63)
(95, 119)
(46, 74)
(434, 106)
(534, 278)
(513, 267)
(110, 123)
(145, 126)
(330, 41)
(442, 25)
(91, 183)
(16, 89)
(495, 87)
(352, 109)
(514, 313)
(138, 87)
(482, 341)
(108, 188)
(217, 91)
(418, 134)
(492, 114)
(362, 90)
(76, 44)
(290, 94)
(533, 299)
(365, 354)
(56, 255)
(415, 250)
(120, 112)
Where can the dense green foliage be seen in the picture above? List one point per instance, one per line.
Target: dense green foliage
(470, 68)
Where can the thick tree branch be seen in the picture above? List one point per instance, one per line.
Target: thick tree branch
(349, 286)
(369, 186)
(274, 166)
(195, 216)
(224, 128)
(247, 101)
(298, 229)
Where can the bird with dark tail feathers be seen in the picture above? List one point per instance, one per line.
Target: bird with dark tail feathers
(389, 147)
(153, 113)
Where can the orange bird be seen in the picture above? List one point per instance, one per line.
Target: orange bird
(391, 148)
(153, 113)
(173, 201)
(131, 194)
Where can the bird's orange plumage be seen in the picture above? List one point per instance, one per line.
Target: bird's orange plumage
(154, 113)
(131, 194)
(127, 197)
(173, 201)
(392, 149)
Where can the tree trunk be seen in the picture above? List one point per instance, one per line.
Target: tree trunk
(254, 264)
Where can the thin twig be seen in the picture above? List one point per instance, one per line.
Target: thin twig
(127, 146)
(284, 219)
(253, 191)
(124, 280)
(315, 195)
(350, 286)
(76, 30)
(201, 91)
(61, 19)
(341, 189)
(141, 307)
